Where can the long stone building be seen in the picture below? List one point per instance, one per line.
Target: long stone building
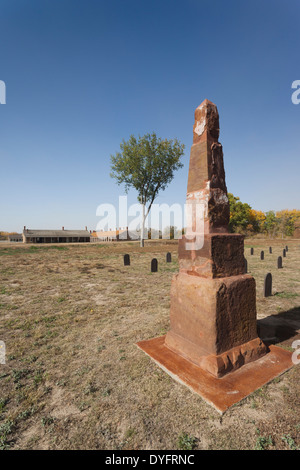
(15, 237)
(56, 236)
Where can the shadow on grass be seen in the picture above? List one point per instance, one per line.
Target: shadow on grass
(281, 327)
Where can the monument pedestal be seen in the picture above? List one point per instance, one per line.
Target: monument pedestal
(224, 392)
(213, 322)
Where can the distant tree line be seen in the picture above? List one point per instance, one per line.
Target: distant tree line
(245, 220)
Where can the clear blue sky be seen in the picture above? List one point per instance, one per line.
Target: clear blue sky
(81, 75)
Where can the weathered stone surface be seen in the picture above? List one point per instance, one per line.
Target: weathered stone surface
(279, 262)
(262, 255)
(221, 255)
(206, 126)
(284, 253)
(210, 316)
(206, 183)
(168, 257)
(126, 260)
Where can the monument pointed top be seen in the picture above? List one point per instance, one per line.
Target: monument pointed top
(206, 103)
(206, 125)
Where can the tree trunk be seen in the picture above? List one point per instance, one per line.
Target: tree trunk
(142, 228)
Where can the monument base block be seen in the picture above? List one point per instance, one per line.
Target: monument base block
(223, 392)
(213, 322)
(221, 364)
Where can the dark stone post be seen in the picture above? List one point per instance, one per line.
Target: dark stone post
(154, 265)
(268, 285)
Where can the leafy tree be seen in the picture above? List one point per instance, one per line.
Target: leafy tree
(257, 220)
(146, 164)
(271, 224)
(240, 214)
(287, 221)
(243, 219)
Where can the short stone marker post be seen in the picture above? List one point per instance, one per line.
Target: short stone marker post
(279, 262)
(262, 255)
(270, 249)
(252, 251)
(286, 248)
(168, 257)
(268, 285)
(284, 253)
(126, 260)
(154, 265)
(246, 266)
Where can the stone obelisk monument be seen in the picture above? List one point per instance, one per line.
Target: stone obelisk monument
(213, 329)
(213, 303)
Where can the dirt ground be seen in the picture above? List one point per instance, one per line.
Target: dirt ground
(70, 317)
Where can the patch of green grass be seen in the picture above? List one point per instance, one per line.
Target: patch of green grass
(6, 428)
(30, 359)
(261, 392)
(49, 320)
(129, 433)
(286, 295)
(31, 249)
(90, 388)
(18, 375)
(262, 442)
(47, 421)
(61, 383)
(3, 403)
(6, 251)
(2, 376)
(186, 442)
(3, 291)
(11, 357)
(290, 441)
(26, 414)
(39, 377)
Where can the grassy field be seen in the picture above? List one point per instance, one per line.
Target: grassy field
(74, 378)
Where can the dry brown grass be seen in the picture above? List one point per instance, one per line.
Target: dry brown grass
(71, 316)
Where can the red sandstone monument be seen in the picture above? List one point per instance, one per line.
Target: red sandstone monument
(212, 345)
